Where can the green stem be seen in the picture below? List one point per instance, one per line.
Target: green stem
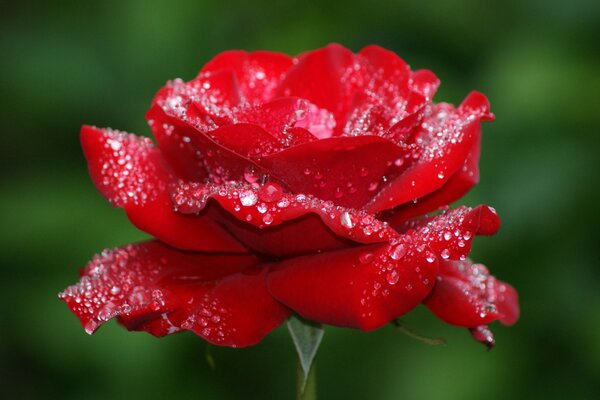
(306, 389)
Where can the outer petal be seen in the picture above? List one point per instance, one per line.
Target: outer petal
(466, 295)
(155, 288)
(131, 173)
(363, 288)
(456, 187)
(441, 148)
(258, 72)
(368, 286)
(450, 234)
(277, 223)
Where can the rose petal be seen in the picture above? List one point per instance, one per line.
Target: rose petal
(131, 173)
(364, 287)
(322, 77)
(465, 294)
(456, 187)
(441, 148)
(279, 223)
(344, 170)
(258, 72)
(483, 335)
(221, 164)
(450, 234)
(152, 287)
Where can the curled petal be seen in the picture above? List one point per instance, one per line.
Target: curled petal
(465, 294)
(131, 173)
(272, 221)
(440, 147)
(152, 287)
(220, 163)
(456, 187)
(483, 335)
(450, 234)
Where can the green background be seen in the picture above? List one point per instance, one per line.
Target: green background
(65, 63)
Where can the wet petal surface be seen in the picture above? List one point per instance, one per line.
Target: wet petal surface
(152, 287)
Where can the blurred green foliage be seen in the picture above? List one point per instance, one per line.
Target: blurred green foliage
(66, 63)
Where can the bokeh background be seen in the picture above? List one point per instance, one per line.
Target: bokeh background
(65, 63)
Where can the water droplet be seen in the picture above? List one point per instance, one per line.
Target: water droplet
(398, 252)
(268, 219)
(248, 198)
(270, 192)
(399, 162)
(364, 171)
(250, 175)
(447, 236)
(429, 257)
(347, 220)
(445, 254)
(440, 175)
(393, 277)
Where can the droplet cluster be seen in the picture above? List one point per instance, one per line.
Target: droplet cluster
(268, 204)
(115, 283)
(127, 168)
(483, 290)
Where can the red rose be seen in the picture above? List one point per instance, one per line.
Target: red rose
(282, 185)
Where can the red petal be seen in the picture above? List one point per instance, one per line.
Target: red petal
(221, 163)
(258, 72)
(483, 335)
(320, 76)
(425, 82)
(456, 187)
(364, 287)
(346, 170)
(291, 225)
(152, 287)
(130, 172)
(442, 147)
(466, 295)
(450, 234)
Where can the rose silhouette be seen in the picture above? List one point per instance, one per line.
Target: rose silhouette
(280, 185)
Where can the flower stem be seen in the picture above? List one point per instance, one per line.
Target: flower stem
(306, 389)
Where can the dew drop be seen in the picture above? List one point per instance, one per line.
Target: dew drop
(445, 254)
(347, 220)
(270, 192)
(248, 198)
(268, 219)
(429, 257)
(393, 277)
(398, 252)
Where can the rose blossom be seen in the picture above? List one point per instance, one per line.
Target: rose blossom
(280, 185)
